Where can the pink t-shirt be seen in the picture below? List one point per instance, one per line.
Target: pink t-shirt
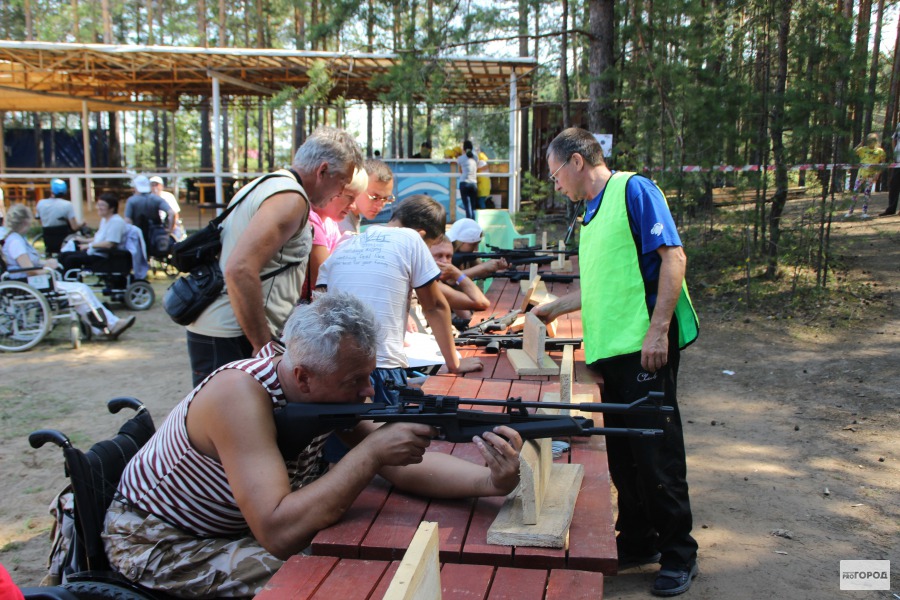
(325, 231)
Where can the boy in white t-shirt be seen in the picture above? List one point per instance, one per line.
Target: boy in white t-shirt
(382, 266)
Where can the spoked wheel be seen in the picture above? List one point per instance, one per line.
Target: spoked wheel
(139, 296)
(25, 316)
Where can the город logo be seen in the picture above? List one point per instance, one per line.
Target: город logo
(865, 575)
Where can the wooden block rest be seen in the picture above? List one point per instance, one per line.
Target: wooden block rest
(419, 574)
(532, 358)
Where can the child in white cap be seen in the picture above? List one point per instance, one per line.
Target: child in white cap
(466, 234)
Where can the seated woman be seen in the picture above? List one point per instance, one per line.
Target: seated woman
(466, 234)
(109, 235)
(18, 252)
(460, 291)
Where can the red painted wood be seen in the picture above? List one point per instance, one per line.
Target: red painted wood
(298, 577)
(518, 584)
(465, 582)
(352, 579)
(529, 391)
(452, 517)
(465, 387)
(439, 384)
(592, 539)
(384, 584)
(344, 537)
(476, 550)
(394, 527)
(574, 585)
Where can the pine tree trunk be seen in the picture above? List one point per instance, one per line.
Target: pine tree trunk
(602, 85)
(777, 128)
(564, 66)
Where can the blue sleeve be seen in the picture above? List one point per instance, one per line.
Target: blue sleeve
(651, 219)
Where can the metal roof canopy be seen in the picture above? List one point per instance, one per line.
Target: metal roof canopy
(58, 77)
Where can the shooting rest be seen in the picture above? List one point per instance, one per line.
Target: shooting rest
(540, 510)
(561, 264)
(419, 575)
(534, 295)
(532, 359)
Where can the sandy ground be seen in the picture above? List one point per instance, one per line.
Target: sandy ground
(790, 427)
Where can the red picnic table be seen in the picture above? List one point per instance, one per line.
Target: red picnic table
(326, 578)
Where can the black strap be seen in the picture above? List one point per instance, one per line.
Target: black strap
(278, 271)
(245, 191)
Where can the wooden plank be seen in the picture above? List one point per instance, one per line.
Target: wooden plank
(574, 585)
(351, 579)
(465, 387)
(518, 584)
(465, 582)
(592, 536)
(476, 550)
(453, 517)
(419, 574)
(298, 577)
(382, 587)
(534, 475)
(526, 365)
(566, 369)
(344, 537)
(438, 385)
(393, 528)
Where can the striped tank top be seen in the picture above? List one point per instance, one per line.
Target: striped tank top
(185, 488)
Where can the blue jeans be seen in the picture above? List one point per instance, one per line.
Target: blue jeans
(469, 194)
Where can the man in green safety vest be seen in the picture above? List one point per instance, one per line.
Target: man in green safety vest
(637, 316)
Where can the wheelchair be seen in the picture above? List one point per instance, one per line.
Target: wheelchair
(94, 478)
(116, 280)
(29, 309)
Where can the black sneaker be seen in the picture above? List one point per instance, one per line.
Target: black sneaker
(672, 582)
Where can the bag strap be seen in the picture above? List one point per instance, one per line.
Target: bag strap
(245, 191)
(278, 271)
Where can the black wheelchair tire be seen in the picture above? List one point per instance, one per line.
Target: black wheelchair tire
(98, 590)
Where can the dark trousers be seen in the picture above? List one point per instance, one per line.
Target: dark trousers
(469, 194)
(79, 260)
(650, 474)
(893, 192)
(208, 353)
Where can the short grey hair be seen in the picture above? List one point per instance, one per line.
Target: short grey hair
(17, 216)
(314, 332)
(329, 145)
(575, 139)
(378, 169)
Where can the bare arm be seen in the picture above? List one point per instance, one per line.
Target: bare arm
(437, 313)
(277, 219)
(317, 256)
(231, 421)
(466, 296)
(655, 351)
(486, 268)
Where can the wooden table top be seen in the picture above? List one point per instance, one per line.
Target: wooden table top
(326, 578)
(382, 521)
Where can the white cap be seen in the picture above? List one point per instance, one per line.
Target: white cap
(157, 179)
(466, 231)
(141, 184)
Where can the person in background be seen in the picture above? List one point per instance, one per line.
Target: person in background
(157, 188)
(461, 293)
(57, 210)
(17, 252)
(894, 184)
(466, 235)
(326, 232)
(637, 317)
(370, 202)
(424, 151)
(872, 155)
(484, 182)
(468, 178)
(110, 234)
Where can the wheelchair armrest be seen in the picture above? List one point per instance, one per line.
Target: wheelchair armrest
(42, 436)
(120, 402)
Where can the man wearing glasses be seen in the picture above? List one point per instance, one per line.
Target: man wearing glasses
(377, 195)
(637, 316)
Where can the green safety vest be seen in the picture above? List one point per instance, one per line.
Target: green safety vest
(614, 307)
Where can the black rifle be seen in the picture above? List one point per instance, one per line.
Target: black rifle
(549, 277)
(298, 423)
(492, 324)
(493, 343)
(517, 256)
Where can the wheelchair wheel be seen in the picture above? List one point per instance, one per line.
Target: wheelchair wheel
(98, 590)
(25, 316)
(139, 296)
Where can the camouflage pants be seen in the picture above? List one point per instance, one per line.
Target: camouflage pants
(154, 554)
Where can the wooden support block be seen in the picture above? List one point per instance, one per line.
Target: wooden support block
(552, 528)
(543, 240)
(529, 292)
(419, 574)
(532, 358)
(535, 462)
(566, 368)
(561, 264)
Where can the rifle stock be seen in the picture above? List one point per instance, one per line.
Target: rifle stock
(299, 423)
(493, 343)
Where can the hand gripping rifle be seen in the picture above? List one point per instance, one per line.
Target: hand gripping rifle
(298, 423)
(493, 342)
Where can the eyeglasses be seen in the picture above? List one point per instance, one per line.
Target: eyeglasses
(553, 178)
(382, 199)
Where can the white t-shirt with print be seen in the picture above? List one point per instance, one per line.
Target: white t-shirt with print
(382, 266)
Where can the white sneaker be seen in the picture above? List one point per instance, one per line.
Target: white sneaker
(848, 214)
(864, 216)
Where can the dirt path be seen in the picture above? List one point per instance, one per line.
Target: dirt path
(808, 408)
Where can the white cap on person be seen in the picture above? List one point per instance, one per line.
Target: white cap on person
(157, 179)
(141, 184)
(466, 231)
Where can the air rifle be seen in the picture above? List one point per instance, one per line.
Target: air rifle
(492, 324)
(516, 257)
(493, 343)
(550, 277)
(299, 423)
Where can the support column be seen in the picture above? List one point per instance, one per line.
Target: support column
(217, 144)
(2, 142)
(86, 142)
(513, 144)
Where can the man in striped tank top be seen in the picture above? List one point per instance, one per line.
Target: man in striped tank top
(210, 508)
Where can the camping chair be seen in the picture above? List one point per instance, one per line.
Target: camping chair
(499, 229)
(94, 477)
